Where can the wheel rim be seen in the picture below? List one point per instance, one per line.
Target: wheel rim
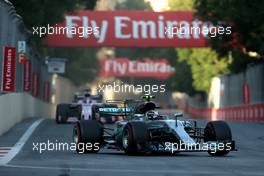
(125, 139)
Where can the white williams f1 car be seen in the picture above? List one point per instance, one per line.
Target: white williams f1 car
(80, 109)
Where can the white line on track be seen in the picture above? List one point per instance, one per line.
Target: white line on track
(145, 171)
(18, 146)
(111, 170)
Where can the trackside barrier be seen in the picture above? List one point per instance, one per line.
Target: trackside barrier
(232, 97)
(253, 112)
(35, 100)
(13, 31)
(16, 107)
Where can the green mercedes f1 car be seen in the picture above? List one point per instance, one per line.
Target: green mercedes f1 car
(145, 130)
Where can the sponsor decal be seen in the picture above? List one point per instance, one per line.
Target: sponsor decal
(115, 110)
(8, 74)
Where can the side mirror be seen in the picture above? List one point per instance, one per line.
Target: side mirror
(178, 114)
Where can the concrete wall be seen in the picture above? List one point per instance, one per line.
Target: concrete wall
(16, 107)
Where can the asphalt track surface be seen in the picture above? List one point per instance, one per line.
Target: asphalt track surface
(248, 160)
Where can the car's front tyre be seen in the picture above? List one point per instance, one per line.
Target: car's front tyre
(219, 132)
(88, 136)
(135, 138)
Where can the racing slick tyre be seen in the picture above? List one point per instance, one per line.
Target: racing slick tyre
(218, 131)
(61, 113)
(88, 136)
(95, 112)
(135, 138)
(75, 110)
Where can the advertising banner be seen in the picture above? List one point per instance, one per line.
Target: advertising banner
(8, 74)
(21, 52)
(35, 84)
(246, 95)
(146, 67)
(126, 29)
(21, 46)
(46, 91)
(27, 76)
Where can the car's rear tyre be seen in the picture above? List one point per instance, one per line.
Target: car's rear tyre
(218, 131)
(88, 136)
(95, 112)
(135, 138)
(61, 113)
(76, 111)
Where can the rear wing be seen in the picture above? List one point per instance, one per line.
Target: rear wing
(115, 111)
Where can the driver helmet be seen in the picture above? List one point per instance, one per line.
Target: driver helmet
(152, 115)
(87, 95)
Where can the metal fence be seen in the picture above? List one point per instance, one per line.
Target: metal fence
(244, 88)
(255, 80)
(12, 30)
(232, 89)
(232, 97)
